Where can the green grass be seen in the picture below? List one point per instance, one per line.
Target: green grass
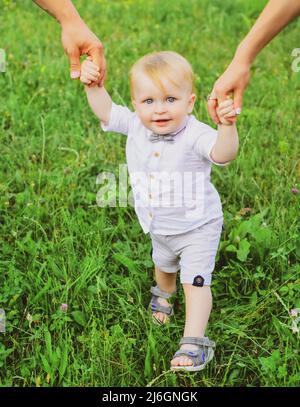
(58, 246)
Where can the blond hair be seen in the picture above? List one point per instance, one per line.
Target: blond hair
(168, 64)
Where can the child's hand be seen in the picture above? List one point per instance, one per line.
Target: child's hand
(226, 112)
(89, 72)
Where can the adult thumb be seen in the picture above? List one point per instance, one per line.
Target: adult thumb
(74, 59)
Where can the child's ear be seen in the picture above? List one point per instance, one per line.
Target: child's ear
(133, 103)
(191, 102)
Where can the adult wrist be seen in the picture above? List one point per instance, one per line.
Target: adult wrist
(69, 16)
(242, 56)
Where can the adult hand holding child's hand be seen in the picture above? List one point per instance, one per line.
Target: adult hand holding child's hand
(90, 72)
(82, 41)
(233, 81)
(226, 112)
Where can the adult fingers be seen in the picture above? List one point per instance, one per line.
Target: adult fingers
(231, 119)
(211, 107)
(224, 99)
(97, 53)
(104, 75)
(221, 93)
(101, 79)
(238, 100)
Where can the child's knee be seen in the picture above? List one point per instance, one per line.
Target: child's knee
(197, 281)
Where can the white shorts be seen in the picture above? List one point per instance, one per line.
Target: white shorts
(193, 252)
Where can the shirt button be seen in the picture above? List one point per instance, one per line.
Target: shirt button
(151, 215)
(156, 154)
(150, 196)
(151, 176)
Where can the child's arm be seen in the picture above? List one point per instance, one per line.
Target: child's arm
(99, 100)
(227, 144)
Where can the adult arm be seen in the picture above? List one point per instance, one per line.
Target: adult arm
(77, 39)
(275, 16)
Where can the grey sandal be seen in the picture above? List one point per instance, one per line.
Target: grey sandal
(156, 307)
(199, 357)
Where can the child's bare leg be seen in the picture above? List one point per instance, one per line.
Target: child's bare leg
(166, 282)
(198, 304)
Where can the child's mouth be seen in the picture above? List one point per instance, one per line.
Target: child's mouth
(161, 122)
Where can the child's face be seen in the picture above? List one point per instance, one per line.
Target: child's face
(162, 112)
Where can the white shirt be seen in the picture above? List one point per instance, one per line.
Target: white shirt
(170, 180)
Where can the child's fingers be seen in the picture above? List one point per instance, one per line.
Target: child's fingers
(228, 121)
(85, 80)
(232, 113)
(90, 64)
(91, 72)
(225, 103)
(92, 76)
(225, 110)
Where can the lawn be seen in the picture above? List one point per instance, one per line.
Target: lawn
(59, 247)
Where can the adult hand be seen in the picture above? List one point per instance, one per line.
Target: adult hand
(77, 40)
(231, 83)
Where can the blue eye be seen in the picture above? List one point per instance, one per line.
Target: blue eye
(171, 99)
(148, 101)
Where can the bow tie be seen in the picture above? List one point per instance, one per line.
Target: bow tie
(154, 137)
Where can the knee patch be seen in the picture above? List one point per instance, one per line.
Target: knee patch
(198, 281)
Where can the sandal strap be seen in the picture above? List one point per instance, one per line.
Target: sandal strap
(156, 307)
(205, 341)
(159, 293)
(198, 356)
(190, 353)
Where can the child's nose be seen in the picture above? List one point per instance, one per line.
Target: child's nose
(160, 107)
